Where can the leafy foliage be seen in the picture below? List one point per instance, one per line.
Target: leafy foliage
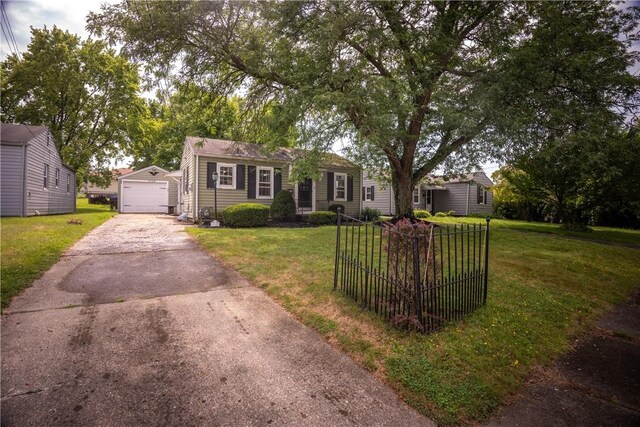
(245, 215)
(197, 109)
(370, 214)
(323, 218)
(422, 214)
(335, 207)
(413, 85)
(283, 206)
(81, 90)
(582, 179)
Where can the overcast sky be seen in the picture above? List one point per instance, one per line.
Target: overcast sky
(70, 15)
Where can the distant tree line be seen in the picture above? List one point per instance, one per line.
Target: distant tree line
(586, 179)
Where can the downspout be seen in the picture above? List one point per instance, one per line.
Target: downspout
(195, 193)
(468, 195)
(361, 195)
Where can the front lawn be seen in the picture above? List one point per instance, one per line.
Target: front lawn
(30, 246)
(543, 291)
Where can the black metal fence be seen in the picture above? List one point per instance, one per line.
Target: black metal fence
(417, 275)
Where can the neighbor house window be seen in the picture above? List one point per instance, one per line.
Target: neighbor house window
(416, 196)
(482, 196)
(429, 196)
(45, 176)
(368, 193)
(57, 177)
(340, 189)
(226, 175)
(68, 183)
(265, 183)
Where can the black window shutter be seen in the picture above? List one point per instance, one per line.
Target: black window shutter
(479, 199)
(240, 177)
(349, 188)
(364, 191)
(211, 168)
(251, 184)
(277, 181)
(329, 185)
(372, 193)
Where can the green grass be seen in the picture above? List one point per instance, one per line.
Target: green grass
(30, 246)
(544, 290)
(604, 234)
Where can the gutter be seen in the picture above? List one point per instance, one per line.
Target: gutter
(468, 195)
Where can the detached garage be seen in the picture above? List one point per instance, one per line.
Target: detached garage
(147, 190)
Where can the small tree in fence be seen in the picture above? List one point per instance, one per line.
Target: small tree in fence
(410, 246)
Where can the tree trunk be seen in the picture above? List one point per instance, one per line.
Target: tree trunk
(402, 185)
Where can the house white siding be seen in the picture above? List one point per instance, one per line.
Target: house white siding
(187, 186)
(53, 199)
(12, 180)
(382, 197)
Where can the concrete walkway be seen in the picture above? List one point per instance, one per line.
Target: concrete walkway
(136, 325)
(596, 384)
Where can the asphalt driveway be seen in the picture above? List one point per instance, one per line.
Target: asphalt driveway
(136, 325)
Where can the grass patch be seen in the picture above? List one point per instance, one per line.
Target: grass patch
(604, 234)
(543, 291)
(30, 246)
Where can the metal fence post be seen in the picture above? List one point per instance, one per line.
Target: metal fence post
(486, 260)
(416, 275)
(337, 263)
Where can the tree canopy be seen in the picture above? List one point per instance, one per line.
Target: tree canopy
(198, 110)
(414, 85)
(82, 90)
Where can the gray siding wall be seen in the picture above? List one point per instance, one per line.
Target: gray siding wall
(187, 163)
(382, 197)
(228, 197)
(53, 199)
(12, 180)
(322, 200)
(453, 199)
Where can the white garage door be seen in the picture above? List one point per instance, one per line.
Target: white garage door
(144, 197)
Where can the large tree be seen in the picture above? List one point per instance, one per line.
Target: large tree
(196, 109)
(82, 90)
(413, 85)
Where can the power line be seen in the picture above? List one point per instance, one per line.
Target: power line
(7, 30)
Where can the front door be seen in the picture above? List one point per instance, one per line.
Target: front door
(305, 193)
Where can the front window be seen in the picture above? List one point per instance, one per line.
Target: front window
(341, 186)
(226, 175)
(45, 176)
(265, 183)
(368, 193)
(482, 195)
(416, 196)
(57, 178)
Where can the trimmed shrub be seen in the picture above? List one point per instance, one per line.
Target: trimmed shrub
(245, 215)
(334, 208)
(283, 206)
(576, 226)
(441, 214)
(370, 214)
(323, 218)
(422, 213)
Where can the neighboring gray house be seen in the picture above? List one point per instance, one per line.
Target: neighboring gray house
(464, 195)
(249, 173)
(33, 181)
